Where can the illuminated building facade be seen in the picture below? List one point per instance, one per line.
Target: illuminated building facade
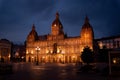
(57, 46)
(5, 50)
(112, 42)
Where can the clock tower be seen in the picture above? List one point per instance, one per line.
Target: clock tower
(56, 29)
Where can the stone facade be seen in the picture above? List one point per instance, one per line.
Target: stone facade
(5, 50)
(57, 46)
(111, 42)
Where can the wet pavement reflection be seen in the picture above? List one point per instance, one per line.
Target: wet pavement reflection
(47, 71)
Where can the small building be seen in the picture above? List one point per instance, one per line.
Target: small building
(114, 56)
(5, 50)
(18, 52)
(111, 42)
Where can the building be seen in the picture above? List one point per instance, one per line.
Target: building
(18, 52)
(5, 50)
(57, 46)
(112, 42)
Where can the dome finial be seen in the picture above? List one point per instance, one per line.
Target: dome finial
(33, 27)
(57, 15)
(86, 19)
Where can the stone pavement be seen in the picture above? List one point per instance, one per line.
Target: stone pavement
(48, 71)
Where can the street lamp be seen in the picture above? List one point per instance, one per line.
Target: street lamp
(109, 57)
(37, 50)
(63, 57)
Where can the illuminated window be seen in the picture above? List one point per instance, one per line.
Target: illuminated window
(54, 24)
(58, 51)
(59, 56)
(86, 35)
(9, 56)
(100, 45)
(51, 51)
(32, 52)
(116, 60)
(27, 52)
(47, 51)
(32, 57)
(73, 56)
(43, 57)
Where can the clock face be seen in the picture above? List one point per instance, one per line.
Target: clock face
(55, 25)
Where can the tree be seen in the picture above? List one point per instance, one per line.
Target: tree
(87, 55)
(103, 54)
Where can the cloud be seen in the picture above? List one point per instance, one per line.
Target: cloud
(103, 14)
(17, 16)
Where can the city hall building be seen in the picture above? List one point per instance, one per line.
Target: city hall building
(57, 46)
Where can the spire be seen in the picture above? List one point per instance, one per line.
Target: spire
(57, 15)
(33, 27)
(57, 22)
(32, 35)
(56, 27)
(87, 28)
(86, 20)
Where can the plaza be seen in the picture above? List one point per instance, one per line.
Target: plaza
(48, 71)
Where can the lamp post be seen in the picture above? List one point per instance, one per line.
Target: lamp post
(109, 57)
(37, 50)
(63, 57)
(0, 57)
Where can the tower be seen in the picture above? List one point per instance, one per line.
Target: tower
(87, 34)
(56, 29)
(33, 36)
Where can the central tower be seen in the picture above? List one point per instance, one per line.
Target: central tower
(57, 27)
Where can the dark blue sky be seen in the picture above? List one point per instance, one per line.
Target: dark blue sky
(17, 17)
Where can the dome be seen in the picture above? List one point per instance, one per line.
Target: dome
(33, 31)
(87, 28)
(87, 34)
(57, 22)
(5, 41)
(33, 34)
(57, 28)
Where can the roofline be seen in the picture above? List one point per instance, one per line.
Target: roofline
(109, 37)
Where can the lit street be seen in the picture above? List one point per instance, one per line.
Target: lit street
(27, 71)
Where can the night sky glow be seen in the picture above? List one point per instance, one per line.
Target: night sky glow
(17, 17)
